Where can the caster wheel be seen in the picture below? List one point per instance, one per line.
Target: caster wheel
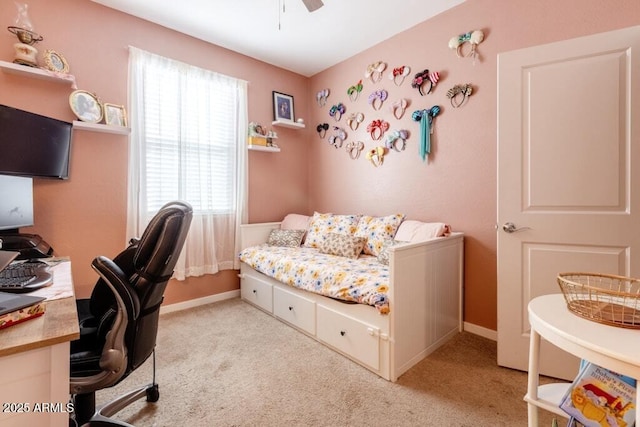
(153, 394)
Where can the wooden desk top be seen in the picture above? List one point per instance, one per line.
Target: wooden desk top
(58, 324)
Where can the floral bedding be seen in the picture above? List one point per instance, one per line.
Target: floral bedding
(363, 280)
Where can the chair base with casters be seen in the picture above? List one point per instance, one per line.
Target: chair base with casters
(119, 323)
(92, 417)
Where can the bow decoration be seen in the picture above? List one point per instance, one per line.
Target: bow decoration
(397, 140)
(354, 91)
(424, 77)
(374, 71)
(398, 108)
(322, 129)
(399, 73)
(377, 98)
(321, 97)
(377, 128)
(337, 111)
(354, 120)
(425, 117)
(376, 155)
(338, 139)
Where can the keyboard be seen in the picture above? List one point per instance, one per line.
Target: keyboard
(25, 277)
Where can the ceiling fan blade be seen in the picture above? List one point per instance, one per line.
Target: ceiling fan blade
(313, 4)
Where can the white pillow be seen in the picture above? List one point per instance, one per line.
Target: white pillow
(418, 231)
(295, 222)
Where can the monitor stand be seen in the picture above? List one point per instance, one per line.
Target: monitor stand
(29, 245)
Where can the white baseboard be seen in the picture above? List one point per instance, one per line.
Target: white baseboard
(468, 327)
(199, 301)
(479, 330)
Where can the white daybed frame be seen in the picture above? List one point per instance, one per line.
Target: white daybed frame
(425, 296)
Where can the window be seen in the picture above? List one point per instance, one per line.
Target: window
(188, 143)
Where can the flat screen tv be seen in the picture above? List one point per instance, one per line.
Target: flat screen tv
(33, 145)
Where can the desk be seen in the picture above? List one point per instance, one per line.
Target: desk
(34, 360)
(614, 348)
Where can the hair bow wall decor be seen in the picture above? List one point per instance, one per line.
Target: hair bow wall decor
(474, 38)
(377, 128)
(459, 94)
(322, 129)
(354, 91)
(425, 117)
(338, 139)
(399, 107)
(398, 74)
(424, 78)
(376, 155)
(377, 98)
(354, 120)
(321, 97)
(354, 149)
(374, 71)
(337, 111)
(397, 140)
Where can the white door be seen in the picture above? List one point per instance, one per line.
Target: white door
(568, 178)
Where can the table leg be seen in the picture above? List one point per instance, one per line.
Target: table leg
(533, 378)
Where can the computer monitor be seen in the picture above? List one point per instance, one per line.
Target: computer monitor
(16, 203)
(33, 145)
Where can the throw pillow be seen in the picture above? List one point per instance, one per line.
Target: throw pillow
(295, 222)
(383, 256)
(322, 224)
(342, 245)
(376, 230)
(418, 231)
(288, 238)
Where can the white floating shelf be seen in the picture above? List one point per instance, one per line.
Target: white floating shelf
(98, 127)
(292, 125)
(263, 148)
(38, 73)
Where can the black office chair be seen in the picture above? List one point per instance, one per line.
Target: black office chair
(119, 323)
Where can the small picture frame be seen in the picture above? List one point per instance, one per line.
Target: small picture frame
(53, 61)
(86, 106)
(283, 107)
(115, 115)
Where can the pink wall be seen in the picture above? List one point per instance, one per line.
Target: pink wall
(458, 182)
(84, 216)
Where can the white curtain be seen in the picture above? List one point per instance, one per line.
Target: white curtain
(188, 142)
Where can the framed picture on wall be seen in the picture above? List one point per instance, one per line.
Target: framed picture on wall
(115, 115)
(54, 61)
(283, 107)
(86, 106)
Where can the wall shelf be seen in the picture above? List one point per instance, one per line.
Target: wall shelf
(98, 127)
(291, 125)
(263, 148)
(38, 73)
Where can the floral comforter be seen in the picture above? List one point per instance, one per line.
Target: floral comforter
(363, 280)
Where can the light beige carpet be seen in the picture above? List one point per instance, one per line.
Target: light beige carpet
(229, 364)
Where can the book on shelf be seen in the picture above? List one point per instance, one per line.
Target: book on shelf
(599, 397)
(21, 315)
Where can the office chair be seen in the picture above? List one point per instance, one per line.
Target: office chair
(119, 323)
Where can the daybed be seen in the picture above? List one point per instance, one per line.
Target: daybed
(418, 308)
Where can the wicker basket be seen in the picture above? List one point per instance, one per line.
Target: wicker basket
(603, 298)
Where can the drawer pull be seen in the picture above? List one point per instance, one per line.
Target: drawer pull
(343, 333)
(255, 291)
(290, 308)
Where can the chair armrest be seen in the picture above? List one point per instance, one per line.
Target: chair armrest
(116, 279)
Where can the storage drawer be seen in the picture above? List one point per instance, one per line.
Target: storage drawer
(295, 309)
(257, 292)
(352, 337)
